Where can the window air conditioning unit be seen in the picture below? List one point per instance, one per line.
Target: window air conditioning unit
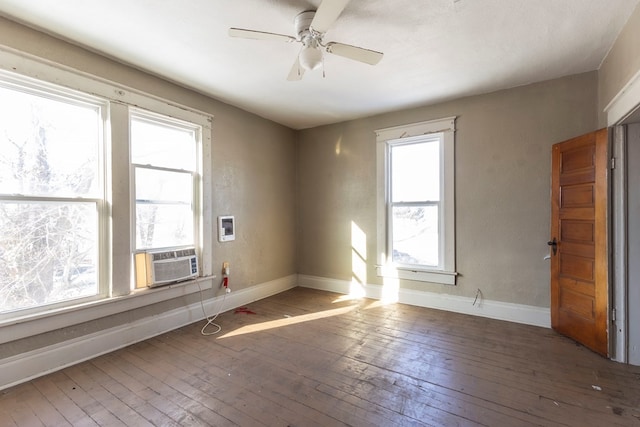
(155, 268)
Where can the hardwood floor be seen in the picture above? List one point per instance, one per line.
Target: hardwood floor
(311, 358)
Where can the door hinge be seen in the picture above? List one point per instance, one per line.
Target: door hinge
(613, 315)
(613, 163)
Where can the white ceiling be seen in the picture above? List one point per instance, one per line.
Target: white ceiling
(433, 49)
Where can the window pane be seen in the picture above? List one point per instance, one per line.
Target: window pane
(47, 253)
(164, 209)
(162, 145)
(163, 225)
(159, 185)
(164, 199)
(48, 147)
(415, 235)
(415, 172)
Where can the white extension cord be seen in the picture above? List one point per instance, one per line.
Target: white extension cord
(210, 320)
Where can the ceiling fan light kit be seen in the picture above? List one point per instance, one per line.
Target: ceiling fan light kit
(310, 57)
(310, 27)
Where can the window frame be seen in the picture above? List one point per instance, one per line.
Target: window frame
(54, 92)
(118, 260)
(196, 175)
(445, 272)
(391, 204)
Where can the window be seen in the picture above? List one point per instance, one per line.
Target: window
(164, 160)
(52, 199)
(76, 171)
(416, 237)
(414, 201)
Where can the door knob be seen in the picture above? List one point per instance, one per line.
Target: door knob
(554, 245)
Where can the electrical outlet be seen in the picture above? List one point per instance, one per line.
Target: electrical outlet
(225, 267)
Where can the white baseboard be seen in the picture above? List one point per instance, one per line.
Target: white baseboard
(518, 313)
(26, 366)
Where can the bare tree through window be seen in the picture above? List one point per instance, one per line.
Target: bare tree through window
(48, 212)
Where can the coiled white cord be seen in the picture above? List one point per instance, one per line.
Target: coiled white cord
(211, 319)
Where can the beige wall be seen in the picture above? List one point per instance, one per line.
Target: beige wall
(502, 179)
(621, 64)
(253, 162)
(503, 149)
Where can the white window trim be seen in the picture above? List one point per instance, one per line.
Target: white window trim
(119, 262)
(196, 174)
(52, 319)
(446, 274)
(100, 200)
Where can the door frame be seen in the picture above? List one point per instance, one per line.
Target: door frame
(622, 106)
(619, 258)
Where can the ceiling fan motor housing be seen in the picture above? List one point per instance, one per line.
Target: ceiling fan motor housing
(302, 23)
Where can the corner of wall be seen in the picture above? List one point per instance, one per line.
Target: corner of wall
(619, 68)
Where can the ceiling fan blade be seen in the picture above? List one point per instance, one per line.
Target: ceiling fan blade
(296, 71)
(259, 35)
(327, 13)
(356, 53)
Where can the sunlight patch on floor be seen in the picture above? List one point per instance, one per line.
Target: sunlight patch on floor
(288, 321)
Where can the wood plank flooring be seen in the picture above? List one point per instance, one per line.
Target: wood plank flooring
(312, 358)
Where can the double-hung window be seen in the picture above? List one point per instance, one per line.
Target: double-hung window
(164, 155)
(86, 181)
(416, 236)
(52, 195)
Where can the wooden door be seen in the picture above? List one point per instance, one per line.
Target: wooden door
(579, 240)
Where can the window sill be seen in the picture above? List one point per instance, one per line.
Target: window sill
(21, 327)
(419, 275)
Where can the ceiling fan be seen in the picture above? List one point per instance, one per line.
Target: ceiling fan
(310, 27)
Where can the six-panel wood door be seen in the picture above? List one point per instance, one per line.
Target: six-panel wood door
(579, 260)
